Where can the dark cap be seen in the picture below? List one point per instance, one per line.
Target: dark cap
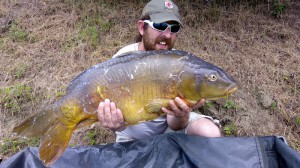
(161, 11)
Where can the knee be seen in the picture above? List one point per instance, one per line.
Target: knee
(204, 127)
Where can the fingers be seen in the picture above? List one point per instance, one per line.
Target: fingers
(165, 110)
(113, 110)
(107, 113)
(100, 111)
(119, 115)
(180, 108)
(109, 116)
(199, 104)
(174, 109)
(184, 107)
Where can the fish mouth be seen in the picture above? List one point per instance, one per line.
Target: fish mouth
(223, 95)
(231, 90)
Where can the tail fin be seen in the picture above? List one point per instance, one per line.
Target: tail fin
(55, 135)
(37, 124)
(54, 142)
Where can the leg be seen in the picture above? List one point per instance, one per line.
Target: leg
(203, 127)
(200, 125)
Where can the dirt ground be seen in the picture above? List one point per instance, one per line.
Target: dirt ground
(44, 44)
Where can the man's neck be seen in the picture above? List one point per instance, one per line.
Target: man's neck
(141, 46)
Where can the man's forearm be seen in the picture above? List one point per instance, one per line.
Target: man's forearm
(177, 123)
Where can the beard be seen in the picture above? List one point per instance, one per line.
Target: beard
(149, 43)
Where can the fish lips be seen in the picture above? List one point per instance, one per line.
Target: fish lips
(232, 89)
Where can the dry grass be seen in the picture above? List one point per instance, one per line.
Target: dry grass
(44, 44)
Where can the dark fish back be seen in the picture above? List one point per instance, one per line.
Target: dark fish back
(122, 59)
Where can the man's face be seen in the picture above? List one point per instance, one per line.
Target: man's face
(158, 40)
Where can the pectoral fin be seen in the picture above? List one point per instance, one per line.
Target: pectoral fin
(155, 105)
(101, 91)
(190, 102)
(86, 122)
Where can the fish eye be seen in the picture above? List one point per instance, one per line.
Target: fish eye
(212, 77)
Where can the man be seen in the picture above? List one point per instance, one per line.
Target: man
(158, 28)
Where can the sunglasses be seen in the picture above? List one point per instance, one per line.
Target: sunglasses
(174, 28)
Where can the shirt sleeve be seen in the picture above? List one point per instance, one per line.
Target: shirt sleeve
(128, 48)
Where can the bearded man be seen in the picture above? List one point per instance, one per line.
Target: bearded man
(158, 28)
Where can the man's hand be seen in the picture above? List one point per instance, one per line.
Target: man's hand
(198, 104)
(110, 117)
(178, 115)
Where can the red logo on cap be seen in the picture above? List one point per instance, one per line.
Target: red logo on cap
(169, 4)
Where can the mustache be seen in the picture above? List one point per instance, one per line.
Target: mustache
(167, 40)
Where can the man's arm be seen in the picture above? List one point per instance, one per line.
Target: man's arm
(178, 115)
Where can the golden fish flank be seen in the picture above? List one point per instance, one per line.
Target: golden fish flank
(140, 83)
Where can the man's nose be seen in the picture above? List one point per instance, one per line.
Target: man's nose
(167, 33)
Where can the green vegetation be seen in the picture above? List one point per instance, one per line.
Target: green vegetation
(72, 145)
(230, 129)
(208, 104)
(273, 106)
(91, 29)
(91, 137)
(69, 44)
(12, 97)
(19, 71)
(61, 91)
(18, 34)
(286, 77)
(278, 8)
(90, 35)
(205, 109)
(298, 120)
(106, 26)
(59, 94)
(230, 104)
(15, 145)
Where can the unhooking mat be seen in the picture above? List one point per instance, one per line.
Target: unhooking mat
(171, 151)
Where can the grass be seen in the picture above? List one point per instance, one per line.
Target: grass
(230, 130)
(19, 71)
(90, 35)
(278, 8)
(273, 106)
(206, 108)
(298, 121)
(59, 94)
(14, 145)
(18, 34)
(44, 48)
(229, 104)
(12, 97)
(91, 137)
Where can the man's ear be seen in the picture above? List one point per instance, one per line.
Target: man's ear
(141, 27)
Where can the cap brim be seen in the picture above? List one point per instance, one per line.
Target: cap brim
(164, 17)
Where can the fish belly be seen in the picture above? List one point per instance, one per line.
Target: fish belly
(132, 98)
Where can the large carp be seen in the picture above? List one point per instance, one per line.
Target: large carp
(140, 83)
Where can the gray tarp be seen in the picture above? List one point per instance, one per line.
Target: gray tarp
(171, 150)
